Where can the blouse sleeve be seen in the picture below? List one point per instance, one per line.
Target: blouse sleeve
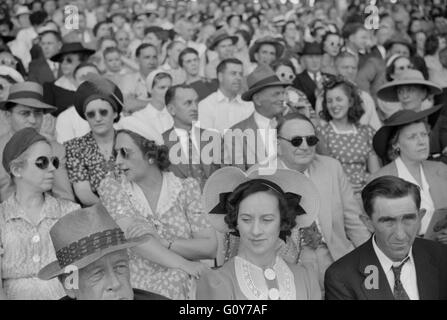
(212, 285)
(76, 170)
(118, 204)
(193, 205)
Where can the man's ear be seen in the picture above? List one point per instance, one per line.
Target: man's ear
(171, 109)
(367, 222)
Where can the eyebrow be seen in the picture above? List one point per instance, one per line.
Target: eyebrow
(404, 216)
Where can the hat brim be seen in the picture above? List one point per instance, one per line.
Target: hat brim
(385, 133)
(213, 45)
(7, 39)
(255, 47)
(228, 178)
(410, 47)
(29, 102)
(58, 56)
(388, 91)
(53, 269)
(247, 95)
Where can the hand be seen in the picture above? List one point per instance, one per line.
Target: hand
(442, 236)
(193, 268)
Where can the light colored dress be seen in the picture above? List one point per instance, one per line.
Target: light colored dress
(179, 214)
(239, 279)
(27, 248)
(352, 149)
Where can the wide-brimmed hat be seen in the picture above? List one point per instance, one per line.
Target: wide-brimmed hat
(262, 77)
(12, 73)
(266, 40)
(388, 91)
(227, 179)
(26, 93)
(97, 87)
(400, 118)
(218, 36)
(312, 49)
(83, 237)
(71, 47)
(400, 39)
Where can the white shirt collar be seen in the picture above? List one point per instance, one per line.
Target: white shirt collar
(261, 121)
(220, 97)
(386, 262)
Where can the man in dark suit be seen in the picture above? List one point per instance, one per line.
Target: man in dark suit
(393, 264)
(42, 69)
(311, 79)
(187, 142)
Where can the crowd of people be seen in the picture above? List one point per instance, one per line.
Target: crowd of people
(265, 149)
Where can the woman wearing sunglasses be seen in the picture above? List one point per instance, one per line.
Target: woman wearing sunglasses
(27, 216)
(346, 140)
(263, 211)
(99, 101)
(149, 199)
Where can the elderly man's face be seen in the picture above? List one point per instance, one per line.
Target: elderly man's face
(105, 279)
(395, 223)
(270, 101)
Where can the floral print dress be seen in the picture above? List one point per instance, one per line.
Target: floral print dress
(178, 215)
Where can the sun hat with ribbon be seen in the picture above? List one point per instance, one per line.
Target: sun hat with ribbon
(292, 184)
(83, 237)
(266, 40)
(19, 142)
(26, 93)
(218, 36)
(97, 87)
(388, 91)
(400, 118)
(262, 77)
(71, 47)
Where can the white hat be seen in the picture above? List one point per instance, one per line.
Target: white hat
(138, 126)
(22, 10)
(14, 74)
(150, 79)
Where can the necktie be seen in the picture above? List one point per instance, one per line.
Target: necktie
(399, 291)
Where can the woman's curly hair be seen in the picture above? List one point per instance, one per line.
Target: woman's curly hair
(151, 150)
(287, 214)
(355, 111)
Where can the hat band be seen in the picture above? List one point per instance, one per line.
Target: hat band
(88, 245)
(25, 95)
(266, 81)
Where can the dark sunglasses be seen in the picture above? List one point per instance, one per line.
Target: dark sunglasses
(43, 162)
(291, 76)
(124, 153)
(297, 141)
(91, 114)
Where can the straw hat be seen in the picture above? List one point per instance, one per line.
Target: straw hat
(227, 179)
(266, 40)
(83, 237)
(388, 91)
(26, 93)
(218, 36)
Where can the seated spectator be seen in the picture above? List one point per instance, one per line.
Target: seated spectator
(264, 52)
(171, 65)
(8, 77)
(332, 43)
(91, 156)
(98, 57)
(115, 69)
(225, 107)
(189, 61)
(224, 45)
(24, 108)
(346, 139)
(168, 264)
(433, 45)
(27, 215)
(113, 260)
(258, 272)
(440, 77)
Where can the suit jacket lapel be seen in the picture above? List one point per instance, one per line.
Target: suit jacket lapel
(427, 274)
(181, 168)
(368, 259)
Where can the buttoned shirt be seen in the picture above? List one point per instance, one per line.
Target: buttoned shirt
(408, 273)
(70, 125)
(160, 120)
(220, 113)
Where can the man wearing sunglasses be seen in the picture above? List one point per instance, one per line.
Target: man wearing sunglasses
(338, 225)
(25, 109)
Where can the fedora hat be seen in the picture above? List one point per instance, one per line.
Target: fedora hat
(218, 36)
(97, 87)
(266, 40)
(400, 118)
(312, 49)
(262, 77)
(71, 47)
(227, 179)
(84, 236)
(400, 39)
(26, 93)
(388, 91)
